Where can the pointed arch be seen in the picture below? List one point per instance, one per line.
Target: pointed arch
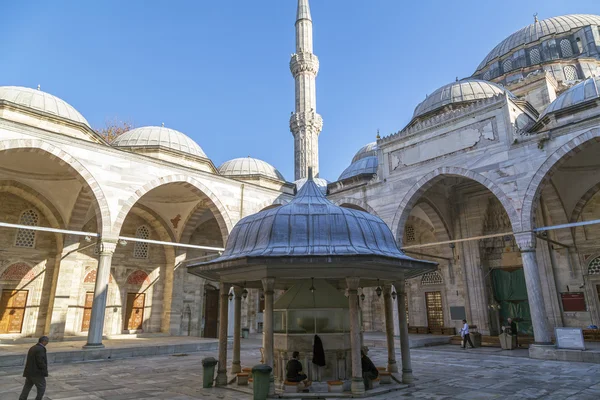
(80, 172)
(422, 185)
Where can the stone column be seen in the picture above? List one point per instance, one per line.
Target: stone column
(388, 303)
(358, 386)
(541, 329)
(223, 305)
(268, 337)
(407, 375)
(107, 249)
(237, 330)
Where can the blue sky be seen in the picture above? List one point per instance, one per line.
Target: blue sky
(218, 70)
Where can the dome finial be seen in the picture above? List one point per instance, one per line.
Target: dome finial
(162, 124)
(39, 87)
(535, 18)
(377, 137)
(310, 173)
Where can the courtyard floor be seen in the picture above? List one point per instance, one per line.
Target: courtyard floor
(442, 372)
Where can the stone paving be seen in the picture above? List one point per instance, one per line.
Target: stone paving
(443, 372)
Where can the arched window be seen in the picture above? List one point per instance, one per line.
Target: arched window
(409, 233)
(17, 272)
(140, 249)
(594, 267)
(570, 73)
(507, 65)
(432, 278)
(487, 75)
(534, 56)
(579, 45)
(566, 48)
(26, 237)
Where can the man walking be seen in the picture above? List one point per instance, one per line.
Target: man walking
(465, 335)
(36, 369)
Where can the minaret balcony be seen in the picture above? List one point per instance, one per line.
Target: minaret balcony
(306, 120)
(304, 62)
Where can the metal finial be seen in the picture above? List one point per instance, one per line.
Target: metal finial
(457, 79)
(39, 87)
(535, 18)
(378, 137)
(163, 125)
(310, 173)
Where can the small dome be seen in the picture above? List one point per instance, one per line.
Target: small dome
(249, 166)
(41, 101)
(310, 225)
(366, 165)
(367, 150)
(584, 91)
(538, 30)
(152, 136)
(459, 92)
(320, 182)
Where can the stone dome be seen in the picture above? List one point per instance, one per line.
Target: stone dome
(367, 150)
(459, 92)
(153, 136)
(538, 30)
(365, 165)
(320, 182)
(582, 92)
(249, 166)
(310, 225)
(41, 101)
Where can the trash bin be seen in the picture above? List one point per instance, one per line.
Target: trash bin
(245, 333)
(208, 371)
(507, 342)
(261, 376)
(476, 337)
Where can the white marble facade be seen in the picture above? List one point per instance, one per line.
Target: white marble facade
(479, 158)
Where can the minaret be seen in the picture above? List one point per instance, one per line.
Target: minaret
(305, 123)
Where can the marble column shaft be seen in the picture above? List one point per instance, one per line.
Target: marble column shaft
(388, 302)
(236, 366)
(541, 328)
(107, 249)
(407, 375)
(358, 386)
(268, 328)
(223, 308)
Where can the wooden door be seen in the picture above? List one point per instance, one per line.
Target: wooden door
(134, 314)
(12, 310)
(435, 311)
(211, 313)
(87, 311)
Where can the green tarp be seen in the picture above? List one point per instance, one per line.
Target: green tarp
(510, 292)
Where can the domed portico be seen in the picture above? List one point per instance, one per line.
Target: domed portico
(312, 238)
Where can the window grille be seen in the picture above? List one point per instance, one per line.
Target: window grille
(26, 237)
(410, 233)
(487, 76)
(570, 73)
(432, 278)
(594, 267)
(140, 249)
(566, 48)
(507, 65)
(535, 56)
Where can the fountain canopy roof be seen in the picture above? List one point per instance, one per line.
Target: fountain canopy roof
(310, 232)
(300, 297)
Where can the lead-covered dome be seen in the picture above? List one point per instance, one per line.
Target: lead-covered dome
(41, 101)
(580, 93)
(310, 225)
(320, 182)
(368, 150)
(467, 90)
(249, 166)
(364, 166)
(538, 31)
(159, 136)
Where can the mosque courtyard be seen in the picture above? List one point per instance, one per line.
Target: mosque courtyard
(442, 372)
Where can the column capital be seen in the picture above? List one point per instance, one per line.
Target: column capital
(107, 246)
(352, 283)
(237, 291)
(387, 290)
(526, 241)
(268, 284)
(400, 286)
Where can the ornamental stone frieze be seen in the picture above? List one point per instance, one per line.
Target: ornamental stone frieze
(306, 121)
(304, 62)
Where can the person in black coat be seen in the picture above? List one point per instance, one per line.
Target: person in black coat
(514, 331)
(36, 369)
(369, 371)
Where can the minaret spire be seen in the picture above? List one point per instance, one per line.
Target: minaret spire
(305, 123)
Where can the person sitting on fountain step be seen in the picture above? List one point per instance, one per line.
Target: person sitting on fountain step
(369, 370)
(294, 370)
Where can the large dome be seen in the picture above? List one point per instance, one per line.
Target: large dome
(249, 166)
(152, 136)
(41, 101)
(537, 31)
(459, 92)
(582, 92)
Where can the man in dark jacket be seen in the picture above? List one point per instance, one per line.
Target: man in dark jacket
(514, 331)
(36, 369)
(369, 370)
